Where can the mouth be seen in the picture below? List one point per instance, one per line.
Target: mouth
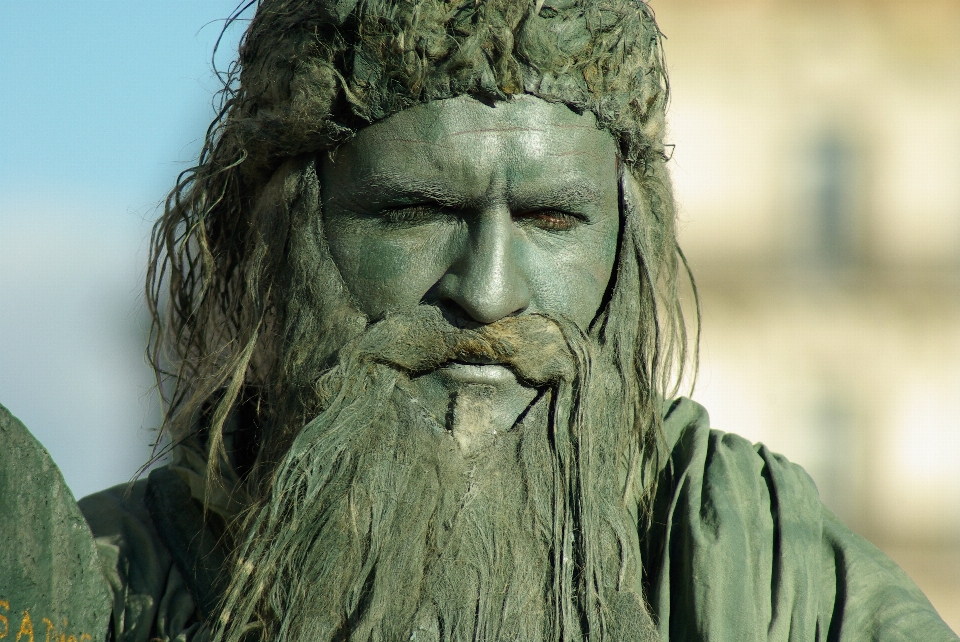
(477, 370)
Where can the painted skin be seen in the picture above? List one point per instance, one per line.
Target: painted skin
(485, 211)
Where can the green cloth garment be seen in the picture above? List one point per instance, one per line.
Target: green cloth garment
(150, 597)
(740, 549)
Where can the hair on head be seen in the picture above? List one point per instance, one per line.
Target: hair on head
(312, 72)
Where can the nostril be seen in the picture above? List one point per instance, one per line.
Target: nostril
(464, 307)
(457, 316)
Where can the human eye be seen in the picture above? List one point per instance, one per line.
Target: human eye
(550, 220)
(413, 215)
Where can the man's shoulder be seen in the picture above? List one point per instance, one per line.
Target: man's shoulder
(118, 513)
(726, 488)
(697, 451)
(150, 597)
(734, 524)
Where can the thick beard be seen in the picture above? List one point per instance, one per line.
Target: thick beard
(378, 527)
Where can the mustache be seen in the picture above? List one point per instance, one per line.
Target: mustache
(537, 348)
(365, 500)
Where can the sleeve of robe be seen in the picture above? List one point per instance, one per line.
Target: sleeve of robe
(741, 548)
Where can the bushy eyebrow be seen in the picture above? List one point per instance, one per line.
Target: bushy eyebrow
(570, 193)
(403, 186)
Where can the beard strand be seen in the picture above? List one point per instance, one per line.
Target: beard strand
(377, 527)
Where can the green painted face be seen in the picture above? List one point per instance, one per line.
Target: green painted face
(484, 211)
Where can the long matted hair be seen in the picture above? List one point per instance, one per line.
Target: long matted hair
(310, 73)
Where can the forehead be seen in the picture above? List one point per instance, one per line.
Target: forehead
(473, 148)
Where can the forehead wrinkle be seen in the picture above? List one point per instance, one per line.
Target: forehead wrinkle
(497, 130)
(441, 143)
(453, 133)
(575, 152)
(591, 126)
(418, 141)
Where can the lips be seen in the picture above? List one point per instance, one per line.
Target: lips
(477, 371)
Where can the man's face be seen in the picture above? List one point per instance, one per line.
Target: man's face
(463, 225)
(483, 211)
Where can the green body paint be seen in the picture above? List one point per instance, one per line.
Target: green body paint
(485, 211)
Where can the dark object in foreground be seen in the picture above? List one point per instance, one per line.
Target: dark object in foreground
(51, 584)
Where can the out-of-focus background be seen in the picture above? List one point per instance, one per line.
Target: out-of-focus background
(817, 168)
(102, 104)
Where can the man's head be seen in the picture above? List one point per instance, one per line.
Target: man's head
(442, 233)
(486, 211)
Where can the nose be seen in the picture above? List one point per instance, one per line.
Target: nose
(485, 282)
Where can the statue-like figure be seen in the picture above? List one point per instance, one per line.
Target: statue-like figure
(417, 314)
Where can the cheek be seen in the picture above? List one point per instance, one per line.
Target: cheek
(571, 279)
(387, 270)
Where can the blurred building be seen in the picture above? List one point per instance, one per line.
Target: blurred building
(817, 167)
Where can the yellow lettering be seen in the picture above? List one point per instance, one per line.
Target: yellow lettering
(86, 636)
(72, 638)
(50, 629)
(3, 618)
(26, 626)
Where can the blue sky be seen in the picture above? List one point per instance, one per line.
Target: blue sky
(103, 99)
(103, 103)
